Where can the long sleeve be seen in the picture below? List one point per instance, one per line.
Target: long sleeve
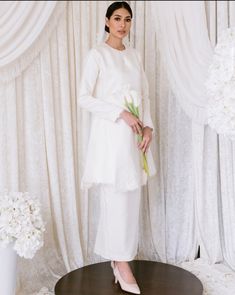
(147, 120)
(87, 101)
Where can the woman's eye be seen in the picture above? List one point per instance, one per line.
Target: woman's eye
(118, 19)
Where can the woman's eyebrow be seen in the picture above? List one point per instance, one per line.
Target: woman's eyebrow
(121, 16)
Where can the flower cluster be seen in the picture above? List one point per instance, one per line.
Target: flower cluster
(220, 86)
(21, 223)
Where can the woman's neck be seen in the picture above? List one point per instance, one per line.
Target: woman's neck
(115, 43)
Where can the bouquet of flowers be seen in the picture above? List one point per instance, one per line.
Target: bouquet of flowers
(130, 100)
(21, 223)
(134, 109)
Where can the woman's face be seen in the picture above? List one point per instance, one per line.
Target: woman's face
(119, 23)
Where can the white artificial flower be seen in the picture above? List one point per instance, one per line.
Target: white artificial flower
(220, 86)
(21, 223)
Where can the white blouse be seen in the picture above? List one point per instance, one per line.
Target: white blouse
(113, 156)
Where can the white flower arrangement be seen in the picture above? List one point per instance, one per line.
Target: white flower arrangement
(220, 86)
(21, 223)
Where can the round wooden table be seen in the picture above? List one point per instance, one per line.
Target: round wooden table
(154, 278)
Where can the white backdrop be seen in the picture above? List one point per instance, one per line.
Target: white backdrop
(43, 143)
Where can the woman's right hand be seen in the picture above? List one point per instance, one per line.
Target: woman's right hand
(132, 121)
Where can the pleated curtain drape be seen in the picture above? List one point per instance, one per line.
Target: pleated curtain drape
(43, 141)
(221, 15)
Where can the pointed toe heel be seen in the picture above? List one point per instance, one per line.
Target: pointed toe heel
(132, 288)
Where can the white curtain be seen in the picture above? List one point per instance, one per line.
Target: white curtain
(43, 141)
(25, 26)
(183, 38)
(221, 15)
(185, 48)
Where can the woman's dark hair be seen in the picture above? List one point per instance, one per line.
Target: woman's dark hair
(114, 6)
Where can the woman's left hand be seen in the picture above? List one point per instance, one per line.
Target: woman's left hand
(147, 137)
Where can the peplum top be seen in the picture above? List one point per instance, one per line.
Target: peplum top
(112, 155)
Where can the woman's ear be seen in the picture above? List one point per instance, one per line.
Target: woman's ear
(107, 22)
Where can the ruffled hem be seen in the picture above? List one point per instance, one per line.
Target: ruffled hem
(85, 185)
(128, 185)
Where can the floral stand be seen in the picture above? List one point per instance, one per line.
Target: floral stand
(8, 266)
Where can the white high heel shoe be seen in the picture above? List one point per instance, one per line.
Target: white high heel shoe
(112, 264)
(132, 288)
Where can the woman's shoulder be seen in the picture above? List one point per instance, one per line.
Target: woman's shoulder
(101, 49)
(96, 52)
(93, 51)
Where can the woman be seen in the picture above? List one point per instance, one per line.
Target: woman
(112, 73)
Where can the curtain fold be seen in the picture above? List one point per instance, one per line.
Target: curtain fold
(187, 52)
(25, 27)
(221, 238)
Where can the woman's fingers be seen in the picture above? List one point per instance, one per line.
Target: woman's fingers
(134, 128)
(134, 122)
(145, 147)
(139, 128)
(144, 144)
(140, 123)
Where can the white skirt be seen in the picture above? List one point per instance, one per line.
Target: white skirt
(117, 235)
